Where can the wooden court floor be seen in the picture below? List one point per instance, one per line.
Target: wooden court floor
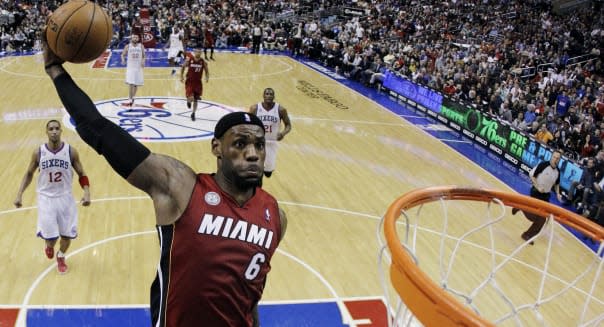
(346, 159)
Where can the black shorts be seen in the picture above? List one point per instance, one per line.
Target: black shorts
(539, 195)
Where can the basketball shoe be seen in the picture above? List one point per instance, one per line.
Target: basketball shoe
(50, 252)
(526, 238)
(61, 265)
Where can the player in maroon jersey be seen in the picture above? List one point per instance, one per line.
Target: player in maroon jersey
(195, 67)
(217, 232)
(137, 28)
(208, 40)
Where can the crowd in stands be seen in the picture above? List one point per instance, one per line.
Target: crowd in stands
(20, 25)
(517, 60)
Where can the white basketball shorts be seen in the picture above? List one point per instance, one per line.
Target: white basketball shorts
(173, 52)
(134, 76)
(57, 216)
(270, 162)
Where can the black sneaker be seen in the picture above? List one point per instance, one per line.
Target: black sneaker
(188, 104)
(193, 116)
(526, 238)
(515, 211)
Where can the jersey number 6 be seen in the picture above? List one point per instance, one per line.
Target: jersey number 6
(253, 269)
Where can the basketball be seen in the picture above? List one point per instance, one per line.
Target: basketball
(79, 31)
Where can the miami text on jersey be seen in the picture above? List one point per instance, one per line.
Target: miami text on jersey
(241, 230)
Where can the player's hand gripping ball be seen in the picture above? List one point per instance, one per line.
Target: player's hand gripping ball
(79, 31)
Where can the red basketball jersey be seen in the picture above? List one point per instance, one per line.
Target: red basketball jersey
(215, 259)
(209, 38)
(195, 69)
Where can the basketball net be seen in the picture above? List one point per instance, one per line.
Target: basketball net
(455, 257)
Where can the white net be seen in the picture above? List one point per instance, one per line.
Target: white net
(473, 251)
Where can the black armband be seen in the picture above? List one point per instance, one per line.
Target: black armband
(123, 152)
(76, 102)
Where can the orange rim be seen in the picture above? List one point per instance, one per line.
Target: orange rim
(431, 304)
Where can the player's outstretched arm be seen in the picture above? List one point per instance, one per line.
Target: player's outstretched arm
(169, 188)
(286, 121)
(283, 219)
(183, 70)
(124, 54)
(83, 179)
(27, 178)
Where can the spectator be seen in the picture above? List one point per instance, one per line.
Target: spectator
(505, 113)
(579, 191)
(543, 135)
(529, 115)
(593, 204)
(4, 40)
(562, 104)
(373, 68)
(519, 122)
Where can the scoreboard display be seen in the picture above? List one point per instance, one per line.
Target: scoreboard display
(516, 147)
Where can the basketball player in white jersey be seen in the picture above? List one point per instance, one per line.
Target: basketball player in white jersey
(134, 52)
(57, 213)
(176, 49)
(271, 114)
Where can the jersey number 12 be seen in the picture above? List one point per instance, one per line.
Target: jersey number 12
(55, 177)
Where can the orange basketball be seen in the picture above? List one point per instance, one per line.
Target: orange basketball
(79, 31)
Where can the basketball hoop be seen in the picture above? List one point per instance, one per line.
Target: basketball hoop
(471, 228)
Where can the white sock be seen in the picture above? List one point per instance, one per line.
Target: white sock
(60, 254)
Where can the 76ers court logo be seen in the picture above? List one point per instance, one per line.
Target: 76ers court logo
(161, 119)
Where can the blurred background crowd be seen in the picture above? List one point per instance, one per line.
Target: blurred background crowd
(529, 63)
